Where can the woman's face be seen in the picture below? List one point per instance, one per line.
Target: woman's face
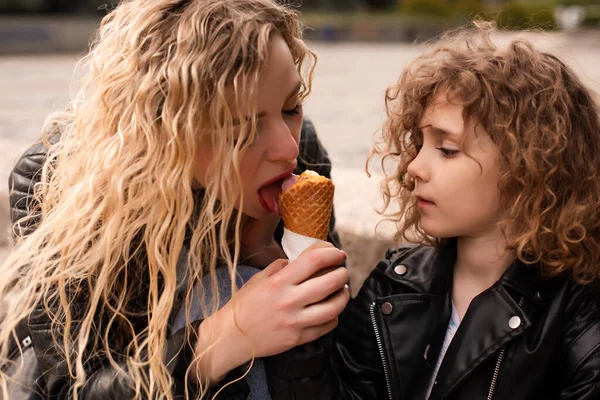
(272, 155)
(456, 174)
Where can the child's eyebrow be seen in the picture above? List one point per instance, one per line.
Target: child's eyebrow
(441, 131)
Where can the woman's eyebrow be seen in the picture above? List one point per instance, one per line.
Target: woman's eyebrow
(295, 91)
(236, 121)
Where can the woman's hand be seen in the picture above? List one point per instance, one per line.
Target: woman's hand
(259, 248)
(281, 307)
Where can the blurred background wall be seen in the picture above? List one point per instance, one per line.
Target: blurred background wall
(362, 46)
(65, 25)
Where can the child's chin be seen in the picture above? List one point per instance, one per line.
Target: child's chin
(438, 233)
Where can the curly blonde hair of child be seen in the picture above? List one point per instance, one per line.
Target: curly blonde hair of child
(116, 196)
(546, 125)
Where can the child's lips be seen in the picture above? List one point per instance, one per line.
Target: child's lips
(424, 202)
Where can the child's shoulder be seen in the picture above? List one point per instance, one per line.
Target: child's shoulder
(398, 264)
(582, 296)
(583, 302)
(581, 325)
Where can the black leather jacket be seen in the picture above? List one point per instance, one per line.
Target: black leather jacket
(103, 382)
(523, 338)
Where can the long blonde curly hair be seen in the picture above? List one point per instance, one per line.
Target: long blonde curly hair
(116, 199)
(545, 123)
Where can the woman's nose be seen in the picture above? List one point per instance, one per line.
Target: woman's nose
(284, 141)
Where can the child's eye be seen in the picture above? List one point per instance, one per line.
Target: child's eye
(448, 152)
(294, 111)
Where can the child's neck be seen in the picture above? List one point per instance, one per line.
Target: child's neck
(480, 262)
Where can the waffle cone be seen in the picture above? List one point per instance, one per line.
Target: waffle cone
(306, 206)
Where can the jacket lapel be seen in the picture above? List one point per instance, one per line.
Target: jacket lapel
(492, 321)
(420, 304)
(410, 353)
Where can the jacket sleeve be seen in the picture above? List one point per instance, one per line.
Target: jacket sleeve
(21, 183)
(581, 366)
(585, 382)
(347, 364)
(104, 381)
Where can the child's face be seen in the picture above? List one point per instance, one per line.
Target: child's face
(272, 156)
(456, 174)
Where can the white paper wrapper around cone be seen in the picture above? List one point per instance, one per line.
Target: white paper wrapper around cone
(294, 244)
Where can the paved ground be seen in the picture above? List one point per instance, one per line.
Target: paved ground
(346, 106)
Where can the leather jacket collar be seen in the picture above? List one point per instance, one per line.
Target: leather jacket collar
(432, 271)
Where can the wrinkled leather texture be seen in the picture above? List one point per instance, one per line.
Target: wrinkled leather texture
(552, 353)
(103, 382)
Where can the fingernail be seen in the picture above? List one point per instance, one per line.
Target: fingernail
(347, 287)
(345, 254)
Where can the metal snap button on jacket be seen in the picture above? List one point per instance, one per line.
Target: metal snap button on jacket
(514, 322)
(400, 269)
(386, 308)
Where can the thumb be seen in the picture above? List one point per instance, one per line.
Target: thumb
(319, 245)
(275, 267)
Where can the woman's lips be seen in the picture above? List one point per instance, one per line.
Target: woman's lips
(265, 206)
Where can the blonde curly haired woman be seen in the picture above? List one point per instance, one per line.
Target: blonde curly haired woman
(166, 174)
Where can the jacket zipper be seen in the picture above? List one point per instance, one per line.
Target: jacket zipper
(496, 372)
(498, 365)
(386, 370)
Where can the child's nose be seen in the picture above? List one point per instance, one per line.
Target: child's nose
(417, 168)
(283, 144)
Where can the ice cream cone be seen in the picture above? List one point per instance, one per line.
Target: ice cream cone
(306, 205)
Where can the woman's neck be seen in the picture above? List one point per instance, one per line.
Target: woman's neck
(482, 260)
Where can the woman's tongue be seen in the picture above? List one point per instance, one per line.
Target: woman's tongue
(288, 182)
(270, 195)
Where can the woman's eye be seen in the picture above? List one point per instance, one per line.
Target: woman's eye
(236, 141)
(448, 152)
(249, 138)
(294, 111)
